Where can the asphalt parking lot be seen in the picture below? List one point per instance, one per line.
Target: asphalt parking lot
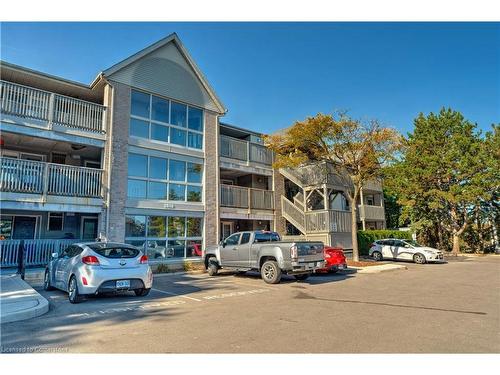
(443, 308)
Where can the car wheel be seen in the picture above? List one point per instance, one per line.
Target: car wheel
(270, 272)
(46, 281)
(73, 295)
(213, 267)
(302, 276)
(333, 270)
(377, 255)
(142, 292)
(419, 258)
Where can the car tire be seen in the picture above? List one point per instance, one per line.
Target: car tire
(143, 292)
(74, 295)
(377, 256)
(302, 276)
(333, 270)
(213, 267)
(46, 281)
(419, 258)
(270, 272)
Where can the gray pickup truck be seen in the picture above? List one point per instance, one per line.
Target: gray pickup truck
(264, 251)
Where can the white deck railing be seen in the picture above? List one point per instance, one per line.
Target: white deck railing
(36, 252)
(235, 148)
(243, 197)
(28, 102)
(26, 176)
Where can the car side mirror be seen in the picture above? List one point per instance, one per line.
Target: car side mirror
(55, 255)
(223, 243)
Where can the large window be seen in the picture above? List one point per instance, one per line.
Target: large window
(165, 120)
(165, 237)
(151, 177)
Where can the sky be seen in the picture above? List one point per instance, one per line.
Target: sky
(269, 75)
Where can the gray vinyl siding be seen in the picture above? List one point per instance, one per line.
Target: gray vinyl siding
(165, 72)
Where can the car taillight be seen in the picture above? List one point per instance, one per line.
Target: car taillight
(373, 245)
(294, 254)
(144, 259)
(90, 260)
(327, 255)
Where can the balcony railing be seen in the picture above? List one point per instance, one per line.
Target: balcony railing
(36, 252)
(26, 176)
(245, 151)
(328, 221)
(27, 102)
(371, 212)
(242, 197)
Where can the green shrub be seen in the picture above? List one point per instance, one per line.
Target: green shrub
(162, 268)
(367, 237)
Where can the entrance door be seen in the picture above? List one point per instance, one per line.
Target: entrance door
(24, 228)
(89, 228)
(227, 229)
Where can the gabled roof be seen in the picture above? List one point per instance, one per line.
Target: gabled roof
(172, 38)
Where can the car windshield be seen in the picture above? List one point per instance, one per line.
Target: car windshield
(413, 243)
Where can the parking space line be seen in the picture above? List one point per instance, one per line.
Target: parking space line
(175, 294)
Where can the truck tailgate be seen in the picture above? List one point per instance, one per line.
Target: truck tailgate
(309, 251)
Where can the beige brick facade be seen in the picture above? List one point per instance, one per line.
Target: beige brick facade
(211, 180)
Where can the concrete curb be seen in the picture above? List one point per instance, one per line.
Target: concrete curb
(380, 268)
(19, 301)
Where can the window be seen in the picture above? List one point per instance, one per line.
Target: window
(233, 239)
(114, 252)
(58, 158)
(195, 119)
(178, 136)
(135, 226)
(193, 193)
(140, 104)
(177, 170)
(176, 226)
(139, 128)
(137, 165)
(157, 226)
(56, 221)
(179, 114)
(266, 237)
(177, 192)
(164, 237)
(136, 188)
(194, 227)
(159, 132)
(160, 110)
(245, 238)
(165, 120)
(157, 190)
(158, 168)
(5, 227)
(149, 178)
(194, 172)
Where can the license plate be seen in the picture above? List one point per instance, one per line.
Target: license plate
(340, 266)
(310, 265)
(120, 284)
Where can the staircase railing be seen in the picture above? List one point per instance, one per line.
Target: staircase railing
(293, 214)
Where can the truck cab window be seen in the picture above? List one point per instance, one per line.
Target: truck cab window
(245, 238)
(233, 239)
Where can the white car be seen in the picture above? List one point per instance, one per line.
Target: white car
(404, 250)
(98, 267)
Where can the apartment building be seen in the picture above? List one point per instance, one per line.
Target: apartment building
(140, 155)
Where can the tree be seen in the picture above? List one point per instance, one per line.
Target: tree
(357, 150)
(445, 172)
(392, 210)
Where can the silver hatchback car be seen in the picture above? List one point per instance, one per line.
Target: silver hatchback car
(98, 267)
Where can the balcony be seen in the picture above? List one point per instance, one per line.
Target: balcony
(48, 179)
(367, 212)
(249, 152)
(49, 109)
(243, 197)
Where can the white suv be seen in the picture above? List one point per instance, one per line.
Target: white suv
(405, 250)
